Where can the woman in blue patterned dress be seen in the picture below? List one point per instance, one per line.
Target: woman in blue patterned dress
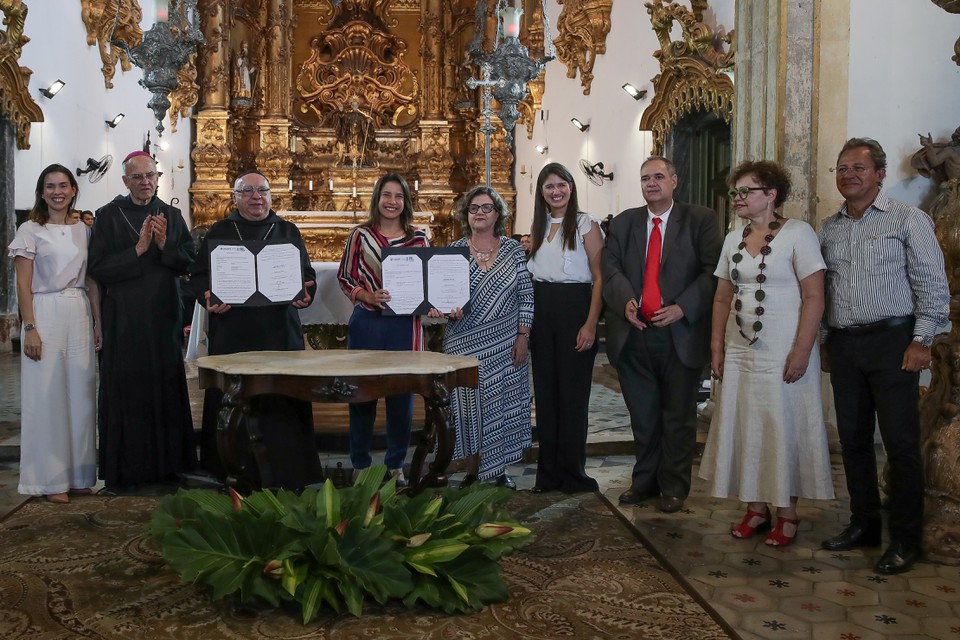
(493, 421)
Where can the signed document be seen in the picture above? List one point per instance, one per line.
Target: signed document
(421, 278)
(232, 274)
(448, 280)
(255, 273)
(403, 278)
(278, 272)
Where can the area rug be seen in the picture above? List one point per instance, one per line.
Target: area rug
(86, 570)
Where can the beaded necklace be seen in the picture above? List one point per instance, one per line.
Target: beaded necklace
(759, 294)
(484, 256)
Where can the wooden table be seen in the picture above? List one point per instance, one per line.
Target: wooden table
(336, 376)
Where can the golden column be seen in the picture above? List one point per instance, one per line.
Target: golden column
(211, 155)
(274, 158)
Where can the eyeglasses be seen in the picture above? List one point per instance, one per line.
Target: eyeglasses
(248, 190)
(137, 177)
(743, 192)
(858, 169)
(486, 208)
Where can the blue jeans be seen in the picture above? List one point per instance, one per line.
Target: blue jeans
(372, 330)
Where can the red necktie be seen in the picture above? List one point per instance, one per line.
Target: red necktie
(650, 301)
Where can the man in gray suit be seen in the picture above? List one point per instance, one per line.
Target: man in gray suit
(658, 327)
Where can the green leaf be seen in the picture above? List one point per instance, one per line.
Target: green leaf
(228, 553)
(328, 503)
(315, 591)
(352, 596)
(435, 551)
(373, 561)
(263, 501)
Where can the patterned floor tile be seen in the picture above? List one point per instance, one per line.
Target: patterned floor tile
(886, 621)
(944, 628)
(813, 609)
(779, 625)
(914, 604)
(846, 594)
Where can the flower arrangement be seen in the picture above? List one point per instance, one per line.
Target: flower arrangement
(338, 547)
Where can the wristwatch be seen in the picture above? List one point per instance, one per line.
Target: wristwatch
(923, 340)
(29, 326)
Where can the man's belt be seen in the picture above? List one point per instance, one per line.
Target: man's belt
(872, 327)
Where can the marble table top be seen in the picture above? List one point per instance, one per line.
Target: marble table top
(336, 363)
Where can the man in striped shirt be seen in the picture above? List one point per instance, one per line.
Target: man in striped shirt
(887, 295)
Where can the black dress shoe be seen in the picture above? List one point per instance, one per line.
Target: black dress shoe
(468, 480)
(635, 497)
(504, 480)
(899, 557)
(537, 488)
(671, 504)
(854, 536)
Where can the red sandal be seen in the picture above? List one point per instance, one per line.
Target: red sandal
(744, 530)
(777, 538)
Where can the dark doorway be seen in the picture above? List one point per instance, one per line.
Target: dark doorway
(699, 145)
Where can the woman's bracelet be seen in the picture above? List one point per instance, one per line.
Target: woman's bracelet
(524, 334)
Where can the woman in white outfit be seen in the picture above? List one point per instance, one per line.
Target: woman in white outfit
(59, 307)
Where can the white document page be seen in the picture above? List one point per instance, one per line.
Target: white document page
(448, 281)
(232, 274)
(278, 272)
(403, 278)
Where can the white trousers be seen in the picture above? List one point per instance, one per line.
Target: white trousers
(58, 398)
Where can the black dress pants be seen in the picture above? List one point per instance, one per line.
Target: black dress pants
(562, 378)
(870, 389)
(661, 394)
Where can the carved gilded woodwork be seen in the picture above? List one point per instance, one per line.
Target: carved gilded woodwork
(693, 70)
(214, 52)
(15, 101)
(274, 158)
(183, 99)
(356, 74)
(362, 77)
(103, 25)
(951, 6)
(535, 44)
(582, 28)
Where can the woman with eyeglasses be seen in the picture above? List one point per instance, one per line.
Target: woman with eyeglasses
(389, 224)
(767, 443)
(59, 305)
(493, 421)
(568, 292)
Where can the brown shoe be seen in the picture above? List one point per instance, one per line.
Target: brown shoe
(58, 498)
(86, 491)
(670, 504)
(634, 497)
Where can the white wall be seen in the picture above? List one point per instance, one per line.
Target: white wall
(614, 137)
(903, 83)
(74, 128)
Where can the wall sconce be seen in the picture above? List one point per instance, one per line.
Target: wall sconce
(53, 89)
(115, 121)
(541, 149)
(635, 93)
(579, 125)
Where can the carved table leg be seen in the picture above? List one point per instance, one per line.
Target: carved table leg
(234, 407)
(436, 431)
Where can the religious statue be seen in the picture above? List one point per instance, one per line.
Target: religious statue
(244, 76)
(940, 161)
(940, 406)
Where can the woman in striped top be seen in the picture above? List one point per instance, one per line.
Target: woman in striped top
(389, 225)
